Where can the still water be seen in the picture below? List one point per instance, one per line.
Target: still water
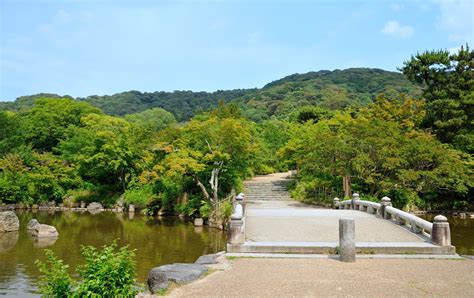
(462, 233)
(157, 242)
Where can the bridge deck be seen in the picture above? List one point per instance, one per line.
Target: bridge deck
(306, 224)
(274, 220)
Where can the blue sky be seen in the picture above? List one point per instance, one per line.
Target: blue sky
(101, 47)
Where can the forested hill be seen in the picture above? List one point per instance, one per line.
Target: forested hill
(336, 89)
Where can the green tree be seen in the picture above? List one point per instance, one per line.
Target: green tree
(380, 157)
(46, 123)
(32, 177)
(448, 82)
(152, 120)
(214, 150)
(11, 134)
(105, 149)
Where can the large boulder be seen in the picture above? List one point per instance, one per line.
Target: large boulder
(9, 222)
(32, 224)
(208, 259)
(41, 230)
(95, 207)
(160, 277)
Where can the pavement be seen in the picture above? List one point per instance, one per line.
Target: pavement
(282, 277)
(285, 220)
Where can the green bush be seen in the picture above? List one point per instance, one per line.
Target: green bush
(109, 272)
(190, 207)
(141, 196)
(56, 281)
(205, 209)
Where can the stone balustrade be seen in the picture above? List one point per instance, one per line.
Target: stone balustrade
(236, 232)
(438, 231)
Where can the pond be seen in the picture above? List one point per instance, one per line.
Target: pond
(157, 241)
(462, 232)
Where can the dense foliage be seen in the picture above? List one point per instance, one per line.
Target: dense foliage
(448, 81)
(381, 153)
(365, 129)
(109, 272)
(331, 89)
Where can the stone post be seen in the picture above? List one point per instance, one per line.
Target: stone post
(347, 249)
(384, 203)
(131, 208)
(441, 234)
(239, 199)
(355, 197)
(370, 209)
(236, 233)
(335, 203)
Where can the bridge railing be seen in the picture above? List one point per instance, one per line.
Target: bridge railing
(438, 231)
(236, 232)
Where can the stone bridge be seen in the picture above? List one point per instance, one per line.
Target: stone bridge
(266, 220)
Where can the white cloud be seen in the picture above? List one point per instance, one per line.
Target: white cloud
(457, 20)
(393, 28)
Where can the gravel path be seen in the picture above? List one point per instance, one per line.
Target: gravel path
(315, 277)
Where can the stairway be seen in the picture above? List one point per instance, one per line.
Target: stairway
(267, 188)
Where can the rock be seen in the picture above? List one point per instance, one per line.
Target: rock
(42, 230)
(209, 259)
(32, 224)
(20, 206)
(198, 222)
(9, 221)
(35, 207)
(462, 215)
(121, 201)
(95, 207)
(131, 208)
(160, 277)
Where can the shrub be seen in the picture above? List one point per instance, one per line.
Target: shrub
(56, 282)
(109, 272)
(141, 196)
(190, 207)
(205, 209)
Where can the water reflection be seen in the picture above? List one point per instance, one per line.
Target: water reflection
(41, 242)
(8, 241)
(157, 241)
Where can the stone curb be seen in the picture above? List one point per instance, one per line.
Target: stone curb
(336, 257)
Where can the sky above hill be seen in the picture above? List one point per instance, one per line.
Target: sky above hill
(101, 47)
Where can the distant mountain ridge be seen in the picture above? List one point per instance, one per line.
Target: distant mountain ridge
(332, 89)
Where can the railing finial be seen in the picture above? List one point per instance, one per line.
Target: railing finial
(441, 234)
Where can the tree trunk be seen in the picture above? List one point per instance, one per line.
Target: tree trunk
(346, 184)
(201, 186)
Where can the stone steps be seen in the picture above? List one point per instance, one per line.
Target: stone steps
(266, 190)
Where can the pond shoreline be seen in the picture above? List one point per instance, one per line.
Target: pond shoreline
(158, 241)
